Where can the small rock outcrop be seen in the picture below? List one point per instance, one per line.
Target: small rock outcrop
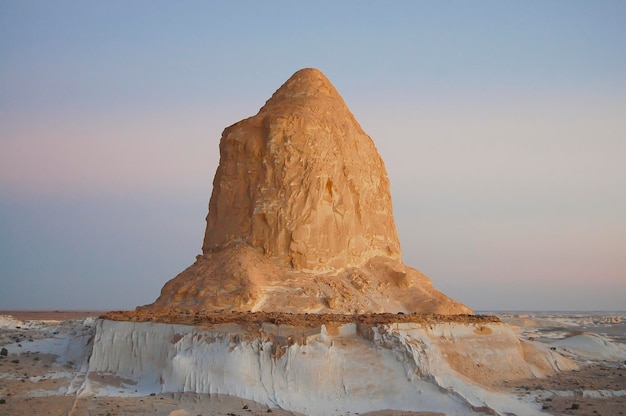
(300, 218)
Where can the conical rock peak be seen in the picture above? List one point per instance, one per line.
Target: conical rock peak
(300, 218)
(302, 182)
(305, 85)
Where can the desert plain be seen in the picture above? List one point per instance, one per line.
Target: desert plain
(37, 373)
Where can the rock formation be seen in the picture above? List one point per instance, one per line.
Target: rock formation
(300, 219)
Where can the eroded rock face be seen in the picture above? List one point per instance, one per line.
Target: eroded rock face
(300, 219)
(302, 181)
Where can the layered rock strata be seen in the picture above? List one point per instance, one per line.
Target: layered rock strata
(301, 219)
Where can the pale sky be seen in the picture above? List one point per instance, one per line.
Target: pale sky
(502, 126)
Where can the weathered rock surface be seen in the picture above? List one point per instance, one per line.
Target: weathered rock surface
(445, 368)
(300, 219)
(303, 182)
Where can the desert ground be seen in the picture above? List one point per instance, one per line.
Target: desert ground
(34, 382)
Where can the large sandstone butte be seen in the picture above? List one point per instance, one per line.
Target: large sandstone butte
(300, 219)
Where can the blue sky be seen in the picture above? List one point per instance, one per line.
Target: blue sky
(501, 124)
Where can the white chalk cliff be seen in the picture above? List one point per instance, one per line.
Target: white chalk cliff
(300, 218)
(451, 368)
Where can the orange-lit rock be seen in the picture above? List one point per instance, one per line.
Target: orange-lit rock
(300, 219)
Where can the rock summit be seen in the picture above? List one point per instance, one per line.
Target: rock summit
(300, 218)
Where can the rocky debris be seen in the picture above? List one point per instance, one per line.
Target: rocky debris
(301, 219)
(294, 319)
(596, 388)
